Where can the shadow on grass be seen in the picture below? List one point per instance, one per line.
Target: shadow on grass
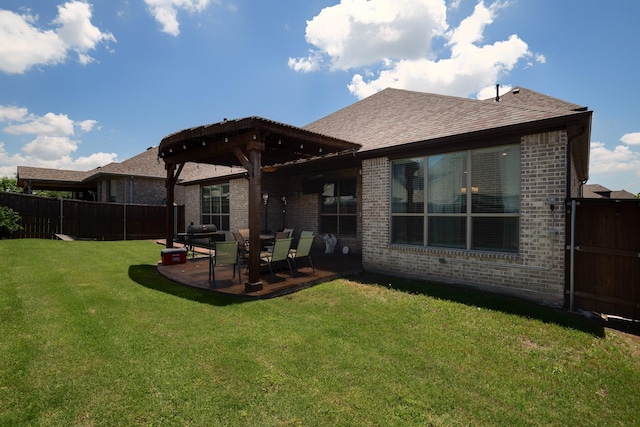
(148, 276)
(486, 300)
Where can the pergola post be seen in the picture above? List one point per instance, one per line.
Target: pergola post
(170, 183)
(255, 209)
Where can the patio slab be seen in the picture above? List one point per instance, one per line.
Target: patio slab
(328, 267)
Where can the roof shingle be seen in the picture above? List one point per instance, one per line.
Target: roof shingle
(395, 117)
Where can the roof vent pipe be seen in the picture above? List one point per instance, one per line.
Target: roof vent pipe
(497, 92)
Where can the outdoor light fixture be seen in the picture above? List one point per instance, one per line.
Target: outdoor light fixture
(284, 200)
(265, 198)
(226, 139)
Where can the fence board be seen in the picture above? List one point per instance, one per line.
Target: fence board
(41, 218)
(606, 256)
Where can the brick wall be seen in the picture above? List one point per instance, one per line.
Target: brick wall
(145, 191)
(238, 204)
(537, 272)
(191, 200)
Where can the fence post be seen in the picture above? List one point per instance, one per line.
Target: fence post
(61, 215)
(572, 254)
(124, 232)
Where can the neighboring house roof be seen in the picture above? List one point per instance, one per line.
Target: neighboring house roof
(45, 174)
(55, 179)
(148, 165)
(143, 165)
(622, 194)
(393, 118)
(597, 191)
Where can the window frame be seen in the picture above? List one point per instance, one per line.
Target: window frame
(410, 227)
(222, 217)
(346, 206)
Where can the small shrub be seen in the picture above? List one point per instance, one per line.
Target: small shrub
(9, 221)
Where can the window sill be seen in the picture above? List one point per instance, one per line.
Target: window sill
(458, 252)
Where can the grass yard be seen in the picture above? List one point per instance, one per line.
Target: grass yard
(92, 335)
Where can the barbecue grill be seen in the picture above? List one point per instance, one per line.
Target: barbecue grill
(201, 235)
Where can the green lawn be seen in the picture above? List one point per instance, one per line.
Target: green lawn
(92, 335)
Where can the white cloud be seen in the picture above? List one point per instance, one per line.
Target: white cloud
(308, 64)
(454, 4)
(394, 39)
(76, 29)
(631, 138)
(23, 44)
(10, 113)
(50, 148)
(357, 33)
(92, 161)
(87, 125)
(621, 159)
(52, 144)
(21, 122)
(49, 124)
(490, 91)
(166, 12)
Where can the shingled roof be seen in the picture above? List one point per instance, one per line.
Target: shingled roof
(143, 165)
(527, 98)
(395, 117)
(50, 175)
(147, 165)
(392, 118)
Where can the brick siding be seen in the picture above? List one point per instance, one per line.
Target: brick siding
(537, 272)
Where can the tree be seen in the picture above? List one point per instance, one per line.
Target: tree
(9, 221)
(10, 185)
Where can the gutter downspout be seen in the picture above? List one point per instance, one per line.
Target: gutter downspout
(573, 215)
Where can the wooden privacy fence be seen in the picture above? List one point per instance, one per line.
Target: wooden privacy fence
(603, 256)
(44, 217)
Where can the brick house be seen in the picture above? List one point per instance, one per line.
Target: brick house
(443, 188)
(137, 180)
(420, 185)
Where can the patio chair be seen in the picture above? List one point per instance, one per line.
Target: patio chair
(282, 235)
(306, 233)
(244, 232)
(243, 244)
(302, 251)
(279, 235)
(226, 253)
(280, 253)
(289, 232)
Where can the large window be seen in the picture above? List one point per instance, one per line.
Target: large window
(338, 211)
(215, 205)
(465, 200)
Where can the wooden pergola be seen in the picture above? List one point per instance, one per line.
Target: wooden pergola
(254, 143)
